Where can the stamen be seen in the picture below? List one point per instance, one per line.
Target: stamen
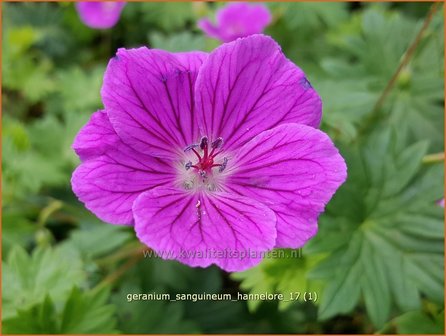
(215, 154)
(188, 148)
(192, 148)
(223, 165)
(206, 159)
(204, 146)
(196, 154)
(217, 143)
(204, 142)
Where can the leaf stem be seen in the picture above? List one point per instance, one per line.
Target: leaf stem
(403, 63)
(49, 210)
(407, 56)
(112, 277)
(128, 251)
(433, 158)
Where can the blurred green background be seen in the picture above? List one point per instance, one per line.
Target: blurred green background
(377, 263)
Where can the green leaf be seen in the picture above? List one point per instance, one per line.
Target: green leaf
(99, 240)
(34, 81)
(39, 319)
(390, 30)
(17, 229)
(20, 39)
(286, 275)
(82, 313)
(184, 41)
(414, 103)
(155, 272)
(418, 322)
(169, 16)
(343, 290)
(17, 133)
(76, 82)
(88, 313)
(39, 155)
(154, 275)
(44, 18)
(28, 279)
(311, 15)
(391, 251)
(33, 156)
(346, 103)
(164, 317)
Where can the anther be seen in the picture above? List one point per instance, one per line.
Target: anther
(217, 143)
(188, 148)
(223, 165)
(204, 142)
(206, 153)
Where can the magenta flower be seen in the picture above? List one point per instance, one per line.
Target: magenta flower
(215, 158)
(99, 15)
(237, 20)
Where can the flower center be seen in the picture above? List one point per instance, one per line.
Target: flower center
(206, 157)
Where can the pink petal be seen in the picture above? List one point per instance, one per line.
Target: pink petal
(242, 19)
(198, 228)
(148, 95)
(293, 169)
(210, 29)
(248, 86)
(114, 174)
(96, 137)
(98, 14)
